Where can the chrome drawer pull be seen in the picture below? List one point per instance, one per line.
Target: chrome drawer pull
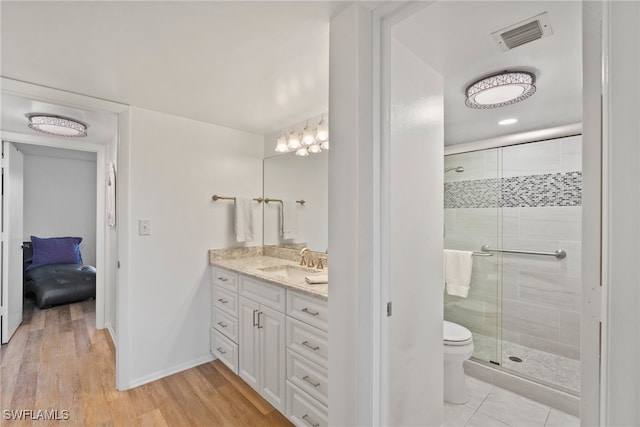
(259, 326)
(221, 350)
(224, 325)
(254, 317)
(222, 300)
(306, 310)
(307, 379)
(306, 344)
(223, 279)
(311, 423)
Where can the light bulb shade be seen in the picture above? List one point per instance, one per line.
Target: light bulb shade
(302, 152)
(307, 136)
(315, 149)
(57, 125)
(294, 141)
(322, 132)
(324, 145)
(281, 145)
(500, 90)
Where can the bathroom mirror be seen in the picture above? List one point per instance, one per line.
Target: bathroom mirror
(289, 177)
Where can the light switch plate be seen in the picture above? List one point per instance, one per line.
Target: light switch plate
(144, 227)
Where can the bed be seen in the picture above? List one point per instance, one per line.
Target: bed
(54, 273)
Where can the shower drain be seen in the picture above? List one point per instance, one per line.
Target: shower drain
(515, 359)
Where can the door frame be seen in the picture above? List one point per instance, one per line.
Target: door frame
(101, 228)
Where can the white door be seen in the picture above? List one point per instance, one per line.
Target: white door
(272, 356)
(248, 342)
(12, 204)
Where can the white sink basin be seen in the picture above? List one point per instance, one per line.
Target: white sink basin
(293, 272)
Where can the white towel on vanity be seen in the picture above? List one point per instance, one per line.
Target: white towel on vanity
(243, 220)
(457, 272)
(289, 219)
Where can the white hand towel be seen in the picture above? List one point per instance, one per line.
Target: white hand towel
(289, 219)
(317, 279)
(457, 272)
(243, 220)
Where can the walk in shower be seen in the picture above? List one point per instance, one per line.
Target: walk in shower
(523, 307)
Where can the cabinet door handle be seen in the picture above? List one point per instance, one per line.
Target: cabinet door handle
(259, 326)
(306, 344)
(221, 350)
(309, 421)
(224, 325)
(223, 279)
(222, 300)
(308, 379)
(313, 313)
(254, 317)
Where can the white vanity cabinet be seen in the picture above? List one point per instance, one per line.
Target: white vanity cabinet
(224, 317)
(275, 338)
(307, 360)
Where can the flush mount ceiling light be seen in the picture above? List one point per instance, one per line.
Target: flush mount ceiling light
(57, 125)
(500, 90)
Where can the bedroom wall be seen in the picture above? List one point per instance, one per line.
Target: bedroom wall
(60, 200)
(168, 171)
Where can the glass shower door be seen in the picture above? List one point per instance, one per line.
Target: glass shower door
(472, 218)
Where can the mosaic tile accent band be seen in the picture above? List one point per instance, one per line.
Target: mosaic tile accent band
(553, 189)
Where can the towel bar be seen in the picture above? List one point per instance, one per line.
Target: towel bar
(559, 254)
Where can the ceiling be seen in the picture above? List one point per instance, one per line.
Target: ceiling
(454, 37)
(254, 66)
(262, 66)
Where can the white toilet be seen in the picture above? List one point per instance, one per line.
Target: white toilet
(458, 347)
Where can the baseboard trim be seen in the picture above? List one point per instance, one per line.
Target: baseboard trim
(557, 399)
(112, 333)
(173, 370)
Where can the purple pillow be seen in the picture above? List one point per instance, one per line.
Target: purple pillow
(55, 250)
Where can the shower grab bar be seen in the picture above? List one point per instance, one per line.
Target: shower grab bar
(559, 254)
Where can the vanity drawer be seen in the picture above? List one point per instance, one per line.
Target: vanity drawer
(225, 324)
(308, 376)
(302, 410)
(225, 279)
(225, 350)
(313, 311)
(225, 301)
(264, 293)
(308, 341)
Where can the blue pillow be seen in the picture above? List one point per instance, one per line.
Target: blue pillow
(55, 250)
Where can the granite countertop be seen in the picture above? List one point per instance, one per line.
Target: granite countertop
(251, 266)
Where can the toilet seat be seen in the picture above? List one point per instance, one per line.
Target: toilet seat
(455, 335)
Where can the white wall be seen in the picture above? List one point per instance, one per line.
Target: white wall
(170, 168)
(60, 200)
(111, 252)
(416, 215)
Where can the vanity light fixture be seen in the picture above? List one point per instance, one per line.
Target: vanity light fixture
(506, 122)
(57, 125)
(313, 140)
(281, 144)
(294, 141)
(315, 149)
(500, 90)
(322, 132)
(307, 136)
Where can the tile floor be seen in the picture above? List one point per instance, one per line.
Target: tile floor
(492, 406)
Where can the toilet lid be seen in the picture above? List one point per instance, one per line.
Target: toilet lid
(455, 333)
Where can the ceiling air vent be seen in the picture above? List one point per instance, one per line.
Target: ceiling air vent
(523, 32)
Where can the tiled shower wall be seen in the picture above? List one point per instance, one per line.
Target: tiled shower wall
(525, 197)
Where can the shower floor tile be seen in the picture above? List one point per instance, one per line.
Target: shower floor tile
(492, 406)
(550, 369)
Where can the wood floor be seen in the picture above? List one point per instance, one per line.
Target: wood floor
(57, 361)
